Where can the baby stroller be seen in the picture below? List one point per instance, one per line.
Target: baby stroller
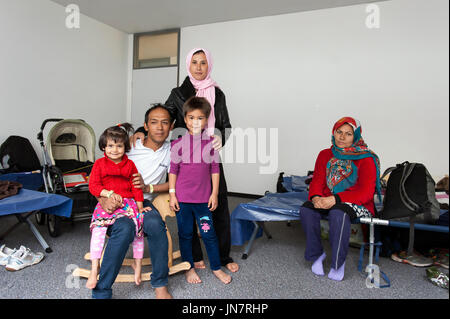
(68, 155)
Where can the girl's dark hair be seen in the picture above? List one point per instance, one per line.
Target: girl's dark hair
(197, 103)
(118, 133)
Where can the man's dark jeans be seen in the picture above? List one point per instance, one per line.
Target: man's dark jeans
(121, 235)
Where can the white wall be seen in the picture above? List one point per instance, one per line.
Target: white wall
(301, 72)
(150, 86)
(48, 70)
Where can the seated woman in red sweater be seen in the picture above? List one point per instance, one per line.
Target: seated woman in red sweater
(346, 177)
(112, 176)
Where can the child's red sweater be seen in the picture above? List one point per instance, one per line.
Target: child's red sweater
(361, 193)
(117, 177)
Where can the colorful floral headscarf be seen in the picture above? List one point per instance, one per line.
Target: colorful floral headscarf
(341, 171)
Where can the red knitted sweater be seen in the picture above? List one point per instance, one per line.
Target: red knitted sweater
(361, 193)
(117, 177)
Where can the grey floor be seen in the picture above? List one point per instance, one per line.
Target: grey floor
(274, 269)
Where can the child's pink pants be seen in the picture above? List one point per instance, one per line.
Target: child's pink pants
(98, 241)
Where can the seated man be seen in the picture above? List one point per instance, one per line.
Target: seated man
(152, 159)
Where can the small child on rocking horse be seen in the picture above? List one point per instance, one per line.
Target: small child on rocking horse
(111, 177)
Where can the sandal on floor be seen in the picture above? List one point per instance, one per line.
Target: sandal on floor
(22, 258)
(415, 259)
(436, 277)
(5, 253)
(440, 257)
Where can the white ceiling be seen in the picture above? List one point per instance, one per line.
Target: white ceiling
(133, 16)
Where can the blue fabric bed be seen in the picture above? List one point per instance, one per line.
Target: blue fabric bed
(247, 221)
(285, 207)
(272, 207)
(27, 202)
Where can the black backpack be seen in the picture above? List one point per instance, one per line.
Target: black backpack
(410, 196)
(18, 155)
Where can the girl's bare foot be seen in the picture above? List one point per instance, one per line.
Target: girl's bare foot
(192, 277)
(223, 277)
(233, 267)
(137, 266)
(92, 280)
(162, 293)
(199, 264)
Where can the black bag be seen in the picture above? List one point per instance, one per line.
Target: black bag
(280, 187)
(410, 196)
(18, 155)
(410, 192)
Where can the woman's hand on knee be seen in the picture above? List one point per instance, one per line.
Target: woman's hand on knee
(325, 202)
(317, 202)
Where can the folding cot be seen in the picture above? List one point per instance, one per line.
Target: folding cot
(28, 201)
(247, 220)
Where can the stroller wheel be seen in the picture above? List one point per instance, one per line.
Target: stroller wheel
(40, 218)
(54, 225)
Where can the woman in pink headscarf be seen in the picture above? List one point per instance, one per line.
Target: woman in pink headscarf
(199, 65)
(199, 83)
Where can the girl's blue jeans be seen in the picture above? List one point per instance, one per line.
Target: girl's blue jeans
(185, 221)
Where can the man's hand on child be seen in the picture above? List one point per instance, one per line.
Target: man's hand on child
(217, 142)
(213, 202)
(138, 182)
(144, 209)
(136, 136)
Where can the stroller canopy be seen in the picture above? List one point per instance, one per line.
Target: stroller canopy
(72, 140)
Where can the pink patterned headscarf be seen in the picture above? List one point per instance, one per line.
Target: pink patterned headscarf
(206, 87)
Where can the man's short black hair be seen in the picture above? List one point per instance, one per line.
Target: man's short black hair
(158, 106)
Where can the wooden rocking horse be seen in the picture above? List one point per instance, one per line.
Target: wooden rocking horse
(161, 203)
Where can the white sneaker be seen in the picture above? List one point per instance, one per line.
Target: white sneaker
(5, 253)
(22, 258)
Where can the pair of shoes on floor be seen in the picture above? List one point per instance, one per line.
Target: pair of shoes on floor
(17, 259)
(437, 277)
(415, 259)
